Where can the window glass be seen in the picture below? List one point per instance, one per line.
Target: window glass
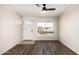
(45, 27)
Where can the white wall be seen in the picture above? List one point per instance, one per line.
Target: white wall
(69, 28)
(37, 19)
(10, 29)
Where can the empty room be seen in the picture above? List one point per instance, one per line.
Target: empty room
(39, 29)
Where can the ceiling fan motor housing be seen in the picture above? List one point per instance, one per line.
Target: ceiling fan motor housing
(44, 8)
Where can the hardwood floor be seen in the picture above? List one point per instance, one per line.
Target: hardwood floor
(40, 48)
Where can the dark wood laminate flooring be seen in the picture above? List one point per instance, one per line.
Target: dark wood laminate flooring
(40, 48)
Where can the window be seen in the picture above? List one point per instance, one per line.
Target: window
(45, 27)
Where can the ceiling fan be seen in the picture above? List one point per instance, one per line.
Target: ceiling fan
(45, 9)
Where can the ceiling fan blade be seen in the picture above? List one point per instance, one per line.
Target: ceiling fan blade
(37, 5)
(49, 9)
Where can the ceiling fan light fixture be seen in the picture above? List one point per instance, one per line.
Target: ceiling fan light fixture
(43, 12)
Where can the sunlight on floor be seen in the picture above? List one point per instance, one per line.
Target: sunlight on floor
(27, 42)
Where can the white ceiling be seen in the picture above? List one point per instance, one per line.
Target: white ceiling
(33, 10)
